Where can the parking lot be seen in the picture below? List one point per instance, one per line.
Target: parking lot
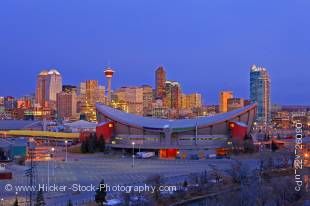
(90, 169)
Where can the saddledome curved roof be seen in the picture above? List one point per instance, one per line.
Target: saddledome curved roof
(156, 123)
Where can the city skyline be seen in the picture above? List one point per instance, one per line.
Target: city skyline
(217, 49)
(193, 102)
(103, 81)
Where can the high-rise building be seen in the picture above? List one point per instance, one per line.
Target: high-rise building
(190, 101)
(49, 83)
(193, 100)
(41, 88)
(10, 103)
(147, 100)
(66, 105)
(101, 91)
(173, 94)
(160, 82)
(132, 96)
(92, 91)
(1, 101)
(82, 90)
(234, 103)
(224, 96)
(184, 104)
(260, 92)
(89, 94)
(158, 109)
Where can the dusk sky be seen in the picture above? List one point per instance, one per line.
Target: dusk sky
(206, 45)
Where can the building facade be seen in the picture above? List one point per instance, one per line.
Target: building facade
(173, 95)
(160, 82)
(66, 105)
(49, 83)
(193, 101)
(224, 96)
(147, 100)
(235, 103)
(260, 92)
(90, 93)
(184, 135)
(132, 97)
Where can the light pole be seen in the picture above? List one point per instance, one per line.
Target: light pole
(53, 153)
(66, 143)
(2, 200)
(133, 154)
(49, 157)
(16, 193)
(48, 170)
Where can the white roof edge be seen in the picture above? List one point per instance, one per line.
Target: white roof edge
(156, 123)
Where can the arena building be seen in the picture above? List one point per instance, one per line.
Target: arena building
(171, 138)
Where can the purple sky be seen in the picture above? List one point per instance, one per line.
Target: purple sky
(207, 46)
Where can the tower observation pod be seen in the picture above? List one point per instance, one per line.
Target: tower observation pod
(109, 74)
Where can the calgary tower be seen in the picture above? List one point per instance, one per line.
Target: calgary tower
(109, 74)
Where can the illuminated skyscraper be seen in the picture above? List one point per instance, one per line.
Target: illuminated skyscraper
(92, 91)
(41, 88)
(260, 92)
(173, 94)
(193, 100)
(89, 94)
(224, 96)
(1, 101)
(160, 82)
(82, 90)
(132, 97)
(147, 99)
(66, 104)
(184, 104)
(49, 83)
(54, 83)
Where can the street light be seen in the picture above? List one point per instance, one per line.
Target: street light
(53, 153)
(133, 154)
(66, 143)
(48, 170)
(16, 193)
(2, 202)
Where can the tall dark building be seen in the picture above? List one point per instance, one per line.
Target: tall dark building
(173, 95)
(160, 82)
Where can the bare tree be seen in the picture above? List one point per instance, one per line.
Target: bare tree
(156, 182)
